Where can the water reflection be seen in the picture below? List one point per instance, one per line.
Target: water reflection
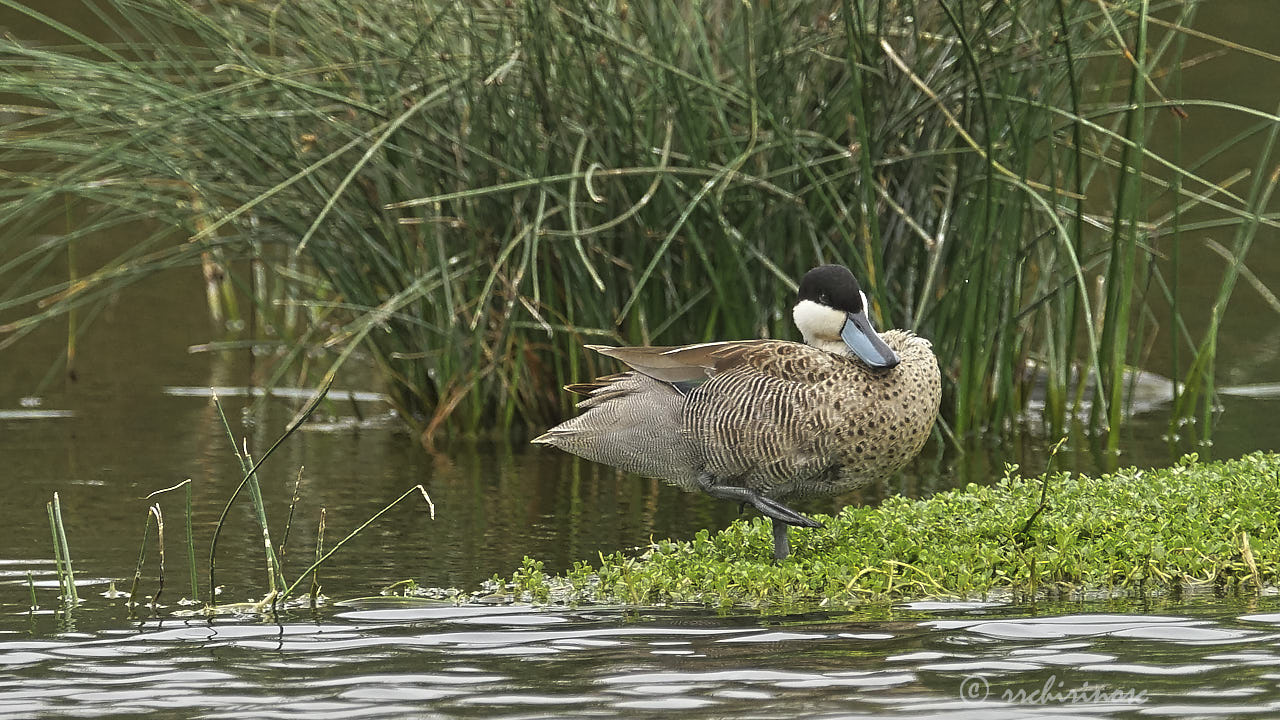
(380, 658)
(497, 501)
(139, 420)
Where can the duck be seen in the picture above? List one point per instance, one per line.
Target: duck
(759, 422)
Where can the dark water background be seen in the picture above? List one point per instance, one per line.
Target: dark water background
(134, 422)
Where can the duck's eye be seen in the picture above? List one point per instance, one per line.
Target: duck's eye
(824, 299)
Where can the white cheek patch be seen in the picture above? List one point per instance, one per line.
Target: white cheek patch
(817, 322)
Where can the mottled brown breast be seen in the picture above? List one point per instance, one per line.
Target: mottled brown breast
(789, 419)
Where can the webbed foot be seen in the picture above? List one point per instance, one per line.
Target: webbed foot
(768, 507)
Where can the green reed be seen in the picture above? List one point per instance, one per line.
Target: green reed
(62, 555)
(469, 191)
(275, 571)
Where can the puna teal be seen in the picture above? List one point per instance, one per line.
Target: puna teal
(760, 421)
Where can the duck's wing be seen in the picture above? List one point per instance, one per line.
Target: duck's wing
(681, 411)
(683, 364)
(773, 422)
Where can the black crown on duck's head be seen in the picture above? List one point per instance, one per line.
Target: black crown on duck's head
(833, 286)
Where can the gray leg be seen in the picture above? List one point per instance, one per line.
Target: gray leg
(781, 546)
(768, 507)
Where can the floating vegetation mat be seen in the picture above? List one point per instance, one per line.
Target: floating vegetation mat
(1196, 524)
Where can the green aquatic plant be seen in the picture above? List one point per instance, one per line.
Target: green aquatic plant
(67, 592)
(279, 591)
(468, 191)
(1195, 524)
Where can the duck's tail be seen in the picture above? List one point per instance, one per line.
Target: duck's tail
(632, 422)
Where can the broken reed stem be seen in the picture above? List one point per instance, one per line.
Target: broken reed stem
(315, 581)
(155, 509)
(66, 550)
(191, 547)
(142, 556)
(288, 523)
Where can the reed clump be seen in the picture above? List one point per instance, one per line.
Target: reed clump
(469, 191)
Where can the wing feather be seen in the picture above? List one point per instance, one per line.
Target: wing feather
(783, 434)
(684, 363)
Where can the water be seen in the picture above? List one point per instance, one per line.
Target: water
(1194, 658)
(129, 427)
(137, 420)
(108, 443)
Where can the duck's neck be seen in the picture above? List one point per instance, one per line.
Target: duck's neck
(837, 347)
(820, 325)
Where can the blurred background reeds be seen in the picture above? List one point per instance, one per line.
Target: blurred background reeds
(461, 194)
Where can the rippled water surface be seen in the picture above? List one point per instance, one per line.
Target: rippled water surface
(138, 418)
(382, 659)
